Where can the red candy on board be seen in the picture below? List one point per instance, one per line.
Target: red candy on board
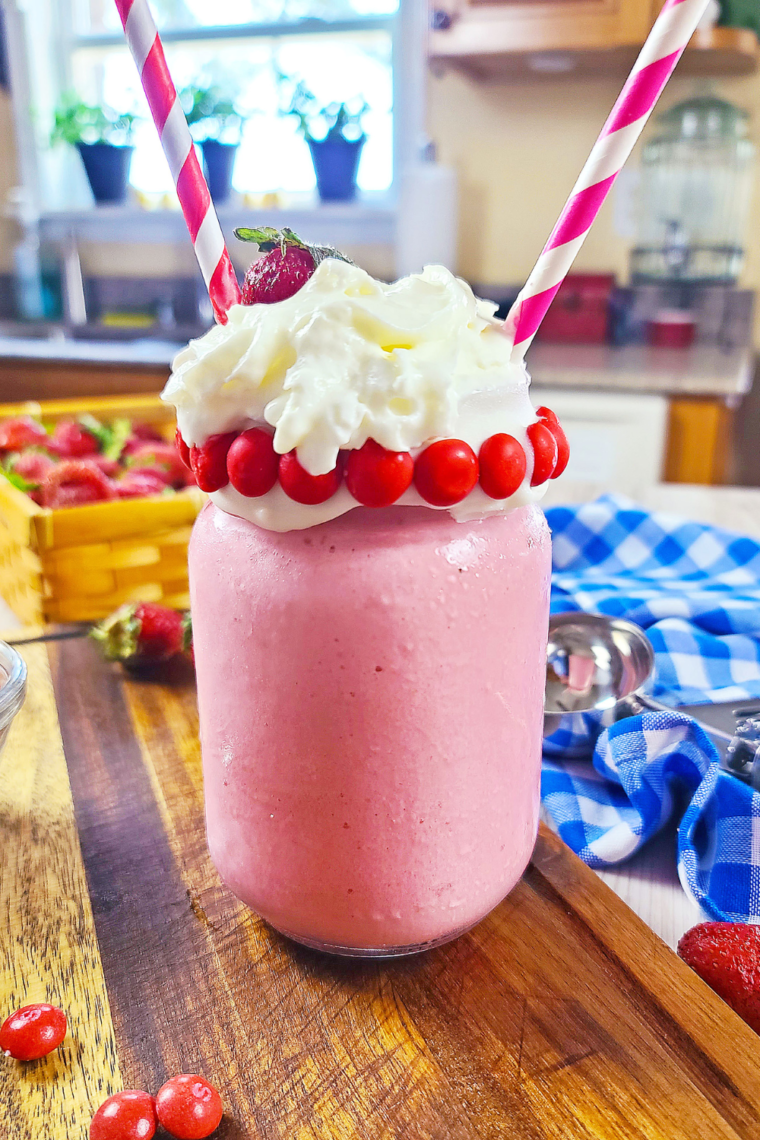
(502, 465)
(209, 462)
(189, 1107)
(128, 1115)
(545, 453)
(33, 1031)
(446, 472)
(253, 463)
(377, 477)
(302, 487)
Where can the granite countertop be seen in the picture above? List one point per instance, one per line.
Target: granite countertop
(703, 370)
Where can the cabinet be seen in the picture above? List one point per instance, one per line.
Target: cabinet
(491, 39)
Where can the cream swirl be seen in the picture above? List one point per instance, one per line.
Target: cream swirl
(346, 359)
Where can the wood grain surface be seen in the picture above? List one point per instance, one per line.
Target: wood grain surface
(560, 1016)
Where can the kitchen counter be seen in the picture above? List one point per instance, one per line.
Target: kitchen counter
(703, 370)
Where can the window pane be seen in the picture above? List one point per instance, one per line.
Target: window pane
(101, 15)
(272, 156)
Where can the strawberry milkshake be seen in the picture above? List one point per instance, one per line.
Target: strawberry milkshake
(369, 587)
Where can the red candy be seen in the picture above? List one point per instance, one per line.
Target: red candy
(548, 418)
(128, 1115)
(377, 477)
(446, 472)
(302, 487)
(545, 453)
(502, 466)
(252, 463)
(547, 415)
(33, 1031)
(209, 462)
(189, 1107)
(183, 449)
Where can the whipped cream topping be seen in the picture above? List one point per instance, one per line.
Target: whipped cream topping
(347, 359)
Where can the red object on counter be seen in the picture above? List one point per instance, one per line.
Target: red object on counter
(672, 328)
(579, 314)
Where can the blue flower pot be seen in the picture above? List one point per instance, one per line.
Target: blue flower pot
(107, 169)
(336, 162)
(219, 161)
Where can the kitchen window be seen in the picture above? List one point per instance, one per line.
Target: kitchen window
(341, 49)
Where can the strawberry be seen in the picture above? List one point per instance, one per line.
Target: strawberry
(146, 432)
(109, 467)
(74, 482)
(137, 484)
(159, 459)
(72, 441)
(144, 634)
(23, 432)
(288, 263)
(726, 955)
(32, 466)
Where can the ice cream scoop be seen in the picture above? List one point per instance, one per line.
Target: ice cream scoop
(597, 669)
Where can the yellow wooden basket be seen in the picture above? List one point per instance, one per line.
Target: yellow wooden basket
(80, 563)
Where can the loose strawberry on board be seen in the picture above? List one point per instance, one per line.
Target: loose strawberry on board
(144, 634)
(16, 434)
(73, 483)
(726, 955)
(287, 265)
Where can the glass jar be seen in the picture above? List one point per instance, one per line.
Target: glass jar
(371, 700)
(696, 184)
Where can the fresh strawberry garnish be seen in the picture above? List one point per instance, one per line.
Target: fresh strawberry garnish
(137, 484)
(143, 634)
(32, 466)
(73, 483)
(377, 477)
(209, 462)
(445, 472)
(23, 432)
(302, 487)
(726, 955)
(545, 452)
(287, 265)
(253, 463)
(71, 440)
(502, 466)
(159, 459)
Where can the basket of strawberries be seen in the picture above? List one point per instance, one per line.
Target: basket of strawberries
(96, 508)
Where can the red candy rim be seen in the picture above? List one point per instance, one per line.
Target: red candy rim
(444, 473)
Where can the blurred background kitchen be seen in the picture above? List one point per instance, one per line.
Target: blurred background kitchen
(402, 134)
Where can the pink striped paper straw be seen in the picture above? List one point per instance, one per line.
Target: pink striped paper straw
(664, 46)
(176, 140)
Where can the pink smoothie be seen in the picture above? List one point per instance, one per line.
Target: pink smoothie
(371, 695)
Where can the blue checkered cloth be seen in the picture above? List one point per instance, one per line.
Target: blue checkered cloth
(695, 589)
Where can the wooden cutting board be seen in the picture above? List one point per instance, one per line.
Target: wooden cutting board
(561, 1015)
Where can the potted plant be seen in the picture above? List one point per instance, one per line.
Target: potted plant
(102, 137)
(213, 117)
(335, 136)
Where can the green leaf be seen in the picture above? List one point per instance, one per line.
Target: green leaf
(268, 238)
(101, 431)
(18, 481)
(120, 432)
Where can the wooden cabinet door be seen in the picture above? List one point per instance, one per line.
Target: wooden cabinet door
(513, 26)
